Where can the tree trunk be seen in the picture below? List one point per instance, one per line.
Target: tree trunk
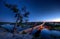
(14, 29)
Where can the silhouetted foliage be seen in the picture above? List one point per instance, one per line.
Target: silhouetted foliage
(24, 9)
(8, 5)
(18, 14)
(15, 9)
(36, 35)
(26, 14)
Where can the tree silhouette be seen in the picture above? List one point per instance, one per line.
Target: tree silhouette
(18, 15)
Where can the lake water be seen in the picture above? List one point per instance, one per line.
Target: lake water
(45, 33)
(49, 34)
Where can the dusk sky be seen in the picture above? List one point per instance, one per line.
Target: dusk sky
(40, 10)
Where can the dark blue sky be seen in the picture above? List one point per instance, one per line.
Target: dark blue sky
(40, 10)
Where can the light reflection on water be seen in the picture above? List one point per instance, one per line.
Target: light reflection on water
(45, 33)
(49, 34)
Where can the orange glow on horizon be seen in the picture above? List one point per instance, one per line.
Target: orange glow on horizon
(41, 27)
(53, 20)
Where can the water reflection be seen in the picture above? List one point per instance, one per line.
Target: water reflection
(48, 34)
(44, 34)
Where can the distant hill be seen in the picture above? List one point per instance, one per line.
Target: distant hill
(32, 23)
(5, 22)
